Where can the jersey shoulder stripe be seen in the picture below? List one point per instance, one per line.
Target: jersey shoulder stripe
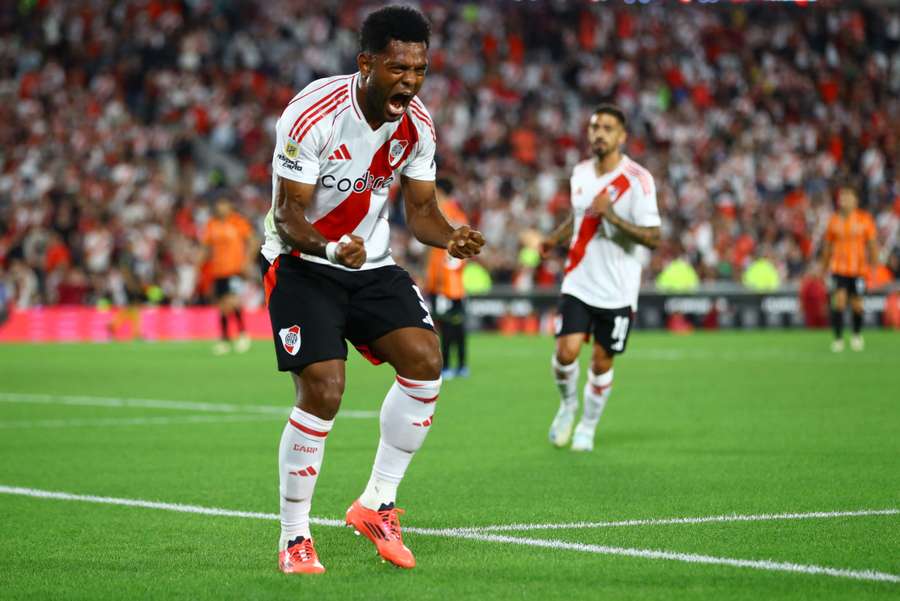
(321, 86)
(315, 112)
(417, 109)
(645, 179)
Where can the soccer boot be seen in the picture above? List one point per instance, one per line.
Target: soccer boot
(221, 348)
(561, 428)
(242, 344)
(382, 527)
(856, 343)
(583, 441)
(837, 346)
(299, 557)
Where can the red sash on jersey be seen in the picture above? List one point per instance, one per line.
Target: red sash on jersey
(590, 223)
(345, 217)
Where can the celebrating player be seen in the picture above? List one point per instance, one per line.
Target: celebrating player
(850, 233)
(340, 144)
(228, 238)
(614, 213)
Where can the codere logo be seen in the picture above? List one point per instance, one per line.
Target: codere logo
(361, 184)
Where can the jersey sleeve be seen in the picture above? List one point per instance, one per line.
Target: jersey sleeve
(421, 163)
(296, 151)
(871, 230)
(646, 210)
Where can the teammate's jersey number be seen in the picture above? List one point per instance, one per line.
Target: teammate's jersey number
(619, 331)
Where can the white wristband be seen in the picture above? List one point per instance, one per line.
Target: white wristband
(331, 252)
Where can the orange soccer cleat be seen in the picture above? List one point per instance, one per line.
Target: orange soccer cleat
(382, 527)
(300, 558)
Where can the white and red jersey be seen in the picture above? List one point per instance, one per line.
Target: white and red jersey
(323, 138)
(603, 268)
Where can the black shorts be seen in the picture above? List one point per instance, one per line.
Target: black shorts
(610, 327)
(315, 308)
(855, 286)
(232, 284)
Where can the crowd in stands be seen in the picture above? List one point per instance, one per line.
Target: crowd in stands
(122, 122)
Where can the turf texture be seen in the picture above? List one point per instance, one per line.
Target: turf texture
(700, 425)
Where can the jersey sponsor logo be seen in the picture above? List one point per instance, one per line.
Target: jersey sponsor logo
(396, 152)
(361, 184)
(291, 149)
(290, 339)
(289, 163)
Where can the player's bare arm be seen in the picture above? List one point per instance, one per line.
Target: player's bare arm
(428, 224)
(292, 199)
(647, 236)
(874, 259)
(561, 234)
(827, 249)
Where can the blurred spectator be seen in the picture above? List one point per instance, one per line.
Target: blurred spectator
(119, 120)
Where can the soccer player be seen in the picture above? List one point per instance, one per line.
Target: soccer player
(340, 144)
(228, 238)
(614, 214)
(444, 285)
(850, 234)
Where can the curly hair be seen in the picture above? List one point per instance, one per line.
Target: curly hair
(402, 23)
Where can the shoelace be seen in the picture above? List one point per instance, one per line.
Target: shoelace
(392, 522)
(302, 551)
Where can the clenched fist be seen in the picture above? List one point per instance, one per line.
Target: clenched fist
(465, 242)
(351, 252)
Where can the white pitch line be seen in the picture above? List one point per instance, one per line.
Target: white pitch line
(128, 421)
(763, 517)
(764, 564)
(94, 401)
(468, 534)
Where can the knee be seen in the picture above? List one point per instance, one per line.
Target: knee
(320, 394)
(426, 363)
(601, 363)
(566, 355)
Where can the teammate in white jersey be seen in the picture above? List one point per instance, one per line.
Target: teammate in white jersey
(341, 143)
(614, 215)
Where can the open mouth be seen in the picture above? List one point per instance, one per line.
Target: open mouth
(397, 103)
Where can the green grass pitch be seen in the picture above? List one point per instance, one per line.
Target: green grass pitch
(700, 425)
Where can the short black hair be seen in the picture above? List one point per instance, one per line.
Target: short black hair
(402, 23)
(614, 111)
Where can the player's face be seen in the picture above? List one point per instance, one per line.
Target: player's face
(393, 78)
(605, 134)
(223, 209)
(847, 200)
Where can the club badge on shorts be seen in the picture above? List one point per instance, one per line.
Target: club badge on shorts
(290, 339)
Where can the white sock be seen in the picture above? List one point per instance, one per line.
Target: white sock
(567, 384)
(406, 416)
(299, 462)
(596, 393)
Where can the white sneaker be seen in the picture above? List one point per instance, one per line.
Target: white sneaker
(242, 344)
(837, 346)
(583, 441)
(856, 343)
(561, 428)
(221, 348)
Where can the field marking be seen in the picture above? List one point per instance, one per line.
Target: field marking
(105, 422)
(95, 401)
(470, 534)
(763, 517)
